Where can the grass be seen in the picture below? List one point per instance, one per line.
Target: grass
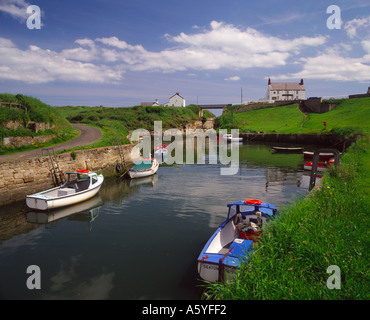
(283, 119)
(351, 115)
(118, 123)
(32, 109)
(331, 227)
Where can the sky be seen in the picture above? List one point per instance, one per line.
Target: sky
(122, 53)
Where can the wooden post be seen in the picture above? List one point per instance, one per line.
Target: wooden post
(315, 162)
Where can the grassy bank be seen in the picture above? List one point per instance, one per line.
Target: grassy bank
(328, 228)
(26, 110)
(350, 115)
(117, 123)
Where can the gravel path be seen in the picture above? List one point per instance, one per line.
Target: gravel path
(88, 135)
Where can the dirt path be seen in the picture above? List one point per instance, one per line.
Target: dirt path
(88, 135)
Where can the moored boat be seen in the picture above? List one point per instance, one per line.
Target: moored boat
(229, 137)
(321, 166)
(288, 149)
(233, 241)
(80, 186)
(144, 168)
(160, 149)
(324, 155)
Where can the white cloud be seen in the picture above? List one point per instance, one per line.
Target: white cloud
(104, 60)
(223, 46)
(115, 42)
(37, 65)
(16, 8)
(353, 26)
(228, 38)
(331, 66)
(234, 78)
(366, 45)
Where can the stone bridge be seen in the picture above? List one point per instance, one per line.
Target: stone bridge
(211, 106)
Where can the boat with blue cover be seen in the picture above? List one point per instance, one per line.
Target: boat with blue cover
(144, 168)
(233, 241)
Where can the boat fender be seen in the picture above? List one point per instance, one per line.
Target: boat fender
(118, 167)
(252, 201)
(201, 263)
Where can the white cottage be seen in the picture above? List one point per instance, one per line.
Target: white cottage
(285, 91)
(176, 101)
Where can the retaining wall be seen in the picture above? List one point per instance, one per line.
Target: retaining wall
(296, 138)
(22, 177)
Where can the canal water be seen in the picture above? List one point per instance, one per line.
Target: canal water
(138, 239)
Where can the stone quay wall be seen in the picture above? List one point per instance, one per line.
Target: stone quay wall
(25, 176)
(297, 138)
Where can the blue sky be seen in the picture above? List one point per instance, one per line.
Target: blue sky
(121, 53)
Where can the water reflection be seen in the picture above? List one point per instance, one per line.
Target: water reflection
(86, 211)
(147, 233)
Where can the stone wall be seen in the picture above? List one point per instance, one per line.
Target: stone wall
(316, 105)
(22, 177)
(328, 140)
(19, 141)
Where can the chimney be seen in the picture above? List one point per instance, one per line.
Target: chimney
(269, 82)
(301, 83)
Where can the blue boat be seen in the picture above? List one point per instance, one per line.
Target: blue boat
(233, 241)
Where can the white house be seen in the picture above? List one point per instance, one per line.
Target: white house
(150, 104)
(176, 101)
(285, 91)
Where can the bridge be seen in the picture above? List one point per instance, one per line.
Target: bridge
(211, 106)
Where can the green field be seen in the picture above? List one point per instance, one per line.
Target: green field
(351, 115)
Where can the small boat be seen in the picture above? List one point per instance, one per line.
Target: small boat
(288, 149)
(309, 154)
(160, 149)
(88, 208)
(321, 166)
(232, 242)
(229, 137)
(80, 186)
(144, 168)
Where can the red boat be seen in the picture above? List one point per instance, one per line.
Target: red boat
(321, 166)
(309, 154)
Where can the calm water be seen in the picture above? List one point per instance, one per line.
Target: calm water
(138, 239)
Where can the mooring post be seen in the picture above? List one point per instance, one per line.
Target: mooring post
(315, 162)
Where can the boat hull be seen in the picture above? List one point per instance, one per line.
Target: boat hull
(232, 243)
(309, 154)
(40, 203)
(64, 195)
(288, 149)
(210, 271)
(144, 173)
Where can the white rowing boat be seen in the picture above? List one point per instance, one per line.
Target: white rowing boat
(144, 168)
(80, 186)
